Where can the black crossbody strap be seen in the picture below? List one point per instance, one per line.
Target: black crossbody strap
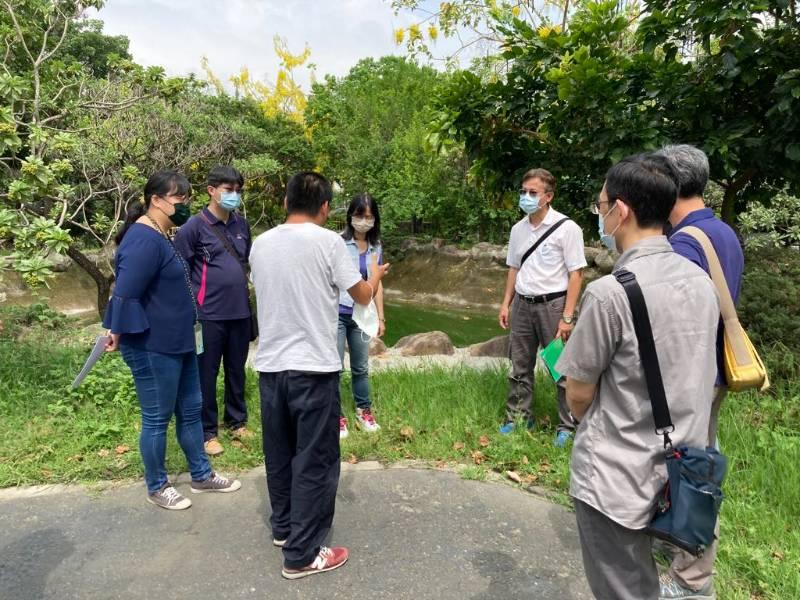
(540, 240)
(225, 242)
(648, 354)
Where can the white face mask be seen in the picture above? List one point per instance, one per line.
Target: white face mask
(363, 225)
(366, 317)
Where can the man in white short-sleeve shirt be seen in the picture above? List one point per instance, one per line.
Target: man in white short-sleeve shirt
(541, 294)
(298, 269)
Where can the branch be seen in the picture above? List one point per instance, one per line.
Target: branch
(18, 29)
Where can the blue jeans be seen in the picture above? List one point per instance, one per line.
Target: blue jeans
(167, 385)
(359, 358)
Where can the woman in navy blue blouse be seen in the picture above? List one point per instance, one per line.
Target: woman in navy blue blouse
(151, 319)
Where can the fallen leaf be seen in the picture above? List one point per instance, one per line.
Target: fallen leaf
(778, 555)
(352, 459)
(75, 458)
(484, 441)
(467, 318)
(103, 453)
(531, 478)
(514, 476)
(47, 473)
(237, 444)
(525, 460)
(544, 466)
(440, 464)
(121, 449)
(458, 446)
(407, 432)
(546, 420)
(477, 457)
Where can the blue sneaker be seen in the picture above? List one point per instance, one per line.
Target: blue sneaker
(507, 428)
(562, 438)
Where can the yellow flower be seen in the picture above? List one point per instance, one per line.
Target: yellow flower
(399, 34)
(433, 33)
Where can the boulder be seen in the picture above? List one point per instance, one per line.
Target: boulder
(497, 346)
(604, 261)
(591, 254)
(425, 344)
(376, 346)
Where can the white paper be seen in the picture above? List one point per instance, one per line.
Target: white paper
(98, 351)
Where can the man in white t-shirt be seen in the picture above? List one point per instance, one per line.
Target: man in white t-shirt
(298, 269)
(541, 294)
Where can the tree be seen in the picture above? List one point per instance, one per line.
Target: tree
(369, 132)
(87, 44)
(616, 83)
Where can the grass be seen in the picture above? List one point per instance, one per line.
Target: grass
(445, 417)
(464, 326)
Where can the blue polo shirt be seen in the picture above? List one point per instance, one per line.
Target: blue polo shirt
(729, 251)
(219, 284)
(151, 306)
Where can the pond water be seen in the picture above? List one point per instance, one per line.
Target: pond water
(464, 326)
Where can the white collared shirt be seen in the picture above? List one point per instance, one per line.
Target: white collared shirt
(547, 270)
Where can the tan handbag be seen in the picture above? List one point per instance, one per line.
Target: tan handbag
(744, 368)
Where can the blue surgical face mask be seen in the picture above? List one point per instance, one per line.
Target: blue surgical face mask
(607, 239)
(529, 204)
(230, 200)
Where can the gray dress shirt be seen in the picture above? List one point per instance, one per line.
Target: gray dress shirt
(618, 464)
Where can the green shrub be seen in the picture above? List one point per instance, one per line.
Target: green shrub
(769, 306)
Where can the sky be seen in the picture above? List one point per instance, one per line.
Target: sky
(176, 34)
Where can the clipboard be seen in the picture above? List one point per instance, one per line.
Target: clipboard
(550, 355)
(98, 351)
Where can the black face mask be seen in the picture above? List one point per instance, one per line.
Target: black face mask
(181, 215)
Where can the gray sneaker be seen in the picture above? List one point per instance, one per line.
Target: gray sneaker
(216, 483)
(168, 497)
(672, 590)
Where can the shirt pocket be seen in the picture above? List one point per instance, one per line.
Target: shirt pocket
(551, 254)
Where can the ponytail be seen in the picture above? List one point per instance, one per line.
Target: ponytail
(135, 212)
(161, 183)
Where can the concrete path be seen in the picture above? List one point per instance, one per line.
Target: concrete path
(412, 534)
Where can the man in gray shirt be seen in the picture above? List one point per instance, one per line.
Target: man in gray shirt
(618, 464)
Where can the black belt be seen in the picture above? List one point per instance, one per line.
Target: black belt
(542, 298)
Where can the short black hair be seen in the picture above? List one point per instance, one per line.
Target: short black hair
(648, 184)
(224, 174)
(306, 192)
(358, 206)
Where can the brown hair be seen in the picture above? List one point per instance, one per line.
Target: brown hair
(545, 176)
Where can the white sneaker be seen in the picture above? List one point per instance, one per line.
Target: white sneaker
(366, 420)
(343, 433)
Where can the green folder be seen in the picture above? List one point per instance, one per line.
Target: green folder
(550, 356)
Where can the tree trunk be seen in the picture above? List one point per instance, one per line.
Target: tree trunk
(731, 195)
(102, 281)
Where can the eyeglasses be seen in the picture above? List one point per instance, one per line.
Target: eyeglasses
(594, 207)
(178, 199)
(523, 191)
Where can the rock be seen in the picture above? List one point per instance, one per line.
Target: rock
(425, 344)
(591, 254)
(438, 243)
(604, 261)
(497, 346)
(59, 263)
(376, 346)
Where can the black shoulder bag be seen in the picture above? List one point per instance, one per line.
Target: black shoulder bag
(538, 242)
(688, 506)
(246, 270)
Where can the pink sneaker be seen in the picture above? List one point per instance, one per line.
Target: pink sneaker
(366, 421)
(343, 433)
(328, 559)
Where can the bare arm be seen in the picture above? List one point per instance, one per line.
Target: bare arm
(379, 306)
(364, 291)
(508, 296)
(573, 291)
(579, 396)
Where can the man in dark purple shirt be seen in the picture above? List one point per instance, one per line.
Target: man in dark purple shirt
(216, 243)
(690, 577)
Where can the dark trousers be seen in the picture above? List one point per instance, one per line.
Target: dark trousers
(227, 341)
(300, 426)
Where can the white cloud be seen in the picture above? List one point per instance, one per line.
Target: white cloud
(175, 34)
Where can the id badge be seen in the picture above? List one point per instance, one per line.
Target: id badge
(198, 337)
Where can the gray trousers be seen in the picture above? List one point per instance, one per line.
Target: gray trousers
(691, 571)
(532, 326)
(618, 561)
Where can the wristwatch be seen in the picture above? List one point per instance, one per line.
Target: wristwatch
(568, 319)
